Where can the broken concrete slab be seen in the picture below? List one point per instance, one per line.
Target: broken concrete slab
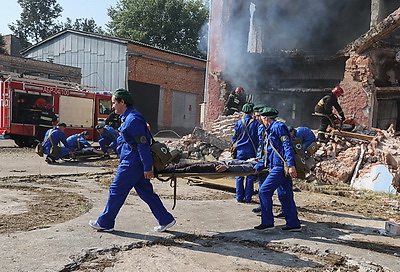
(204, 136)
(379, 179)
(392, 228)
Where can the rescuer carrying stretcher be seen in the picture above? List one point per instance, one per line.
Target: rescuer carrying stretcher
(323, 110)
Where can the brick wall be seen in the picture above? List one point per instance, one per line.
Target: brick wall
(359, 87)
(171, 71)
(216, 89)
(12, 45)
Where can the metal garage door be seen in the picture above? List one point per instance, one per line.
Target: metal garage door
(183, 111)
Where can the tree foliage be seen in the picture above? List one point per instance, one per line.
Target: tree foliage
(83, 24)
(37, 20)
(168, 24)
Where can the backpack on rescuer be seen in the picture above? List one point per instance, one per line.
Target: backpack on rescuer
(161, 155)
(39, 149)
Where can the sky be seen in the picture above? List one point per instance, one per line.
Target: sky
(96, 9)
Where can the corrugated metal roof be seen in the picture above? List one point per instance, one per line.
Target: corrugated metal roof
(102, 61)
(105, 37)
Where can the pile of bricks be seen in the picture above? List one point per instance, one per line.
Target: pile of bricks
(207, 146)
(223, 126)
(337, 161)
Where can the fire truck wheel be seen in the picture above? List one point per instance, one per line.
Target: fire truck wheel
(24, 141)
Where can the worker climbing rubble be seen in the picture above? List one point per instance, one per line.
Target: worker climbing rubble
(323, 110)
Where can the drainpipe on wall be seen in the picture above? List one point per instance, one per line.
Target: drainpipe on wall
(127, 70)
(203, 106)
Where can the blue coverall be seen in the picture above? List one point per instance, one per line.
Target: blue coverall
(73, 142)
(246, 147)
(56, 136)
(306, 136)
(135, 159)
(108, 138)
(278, 136)
(260, 149)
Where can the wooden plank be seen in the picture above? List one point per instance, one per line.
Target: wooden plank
(353, 135)
(388, 25)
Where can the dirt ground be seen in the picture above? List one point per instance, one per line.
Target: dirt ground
(342, 227)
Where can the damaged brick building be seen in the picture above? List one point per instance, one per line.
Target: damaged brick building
(288, 54)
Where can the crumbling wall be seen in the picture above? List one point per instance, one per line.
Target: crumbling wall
(217, 93)
(360, 92)
(215, 64)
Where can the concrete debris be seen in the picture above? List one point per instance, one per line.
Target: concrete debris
(367, 158)
(379, 179)
(394, 204)
(204, 136)
(378, 169)
(207, 146)
(393, 227)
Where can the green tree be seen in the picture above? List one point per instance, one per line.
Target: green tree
(83, 24)
(168, 24)
(37, 20)
(2, 44)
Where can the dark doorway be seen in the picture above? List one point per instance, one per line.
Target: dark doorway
(146, 98)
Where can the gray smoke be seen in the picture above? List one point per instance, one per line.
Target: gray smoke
(264, 41)
(276, 31)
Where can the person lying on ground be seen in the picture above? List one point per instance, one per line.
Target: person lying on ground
(87, 152)
(231, 165)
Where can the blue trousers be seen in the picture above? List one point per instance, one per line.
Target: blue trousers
(277, 180)
(104, 142)
(64, 151)
(245, 192)
(128, 177)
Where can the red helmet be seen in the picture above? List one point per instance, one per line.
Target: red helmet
(239, 90)
(40, 103)
(337, 91)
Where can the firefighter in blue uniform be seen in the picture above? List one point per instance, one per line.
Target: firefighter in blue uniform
(135, 169)
(245, 138)
(260, 149)
(78, 141)
(278, 137)
(107, 137)
(55, 136)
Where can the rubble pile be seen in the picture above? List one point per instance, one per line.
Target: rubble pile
(347, 158)
(336, 160)
(206, 146)
(224, 125)
(190, 148)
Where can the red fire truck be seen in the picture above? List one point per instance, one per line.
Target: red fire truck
(71, 102)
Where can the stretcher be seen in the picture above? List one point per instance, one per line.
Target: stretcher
(87, 153)
(172, 177)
